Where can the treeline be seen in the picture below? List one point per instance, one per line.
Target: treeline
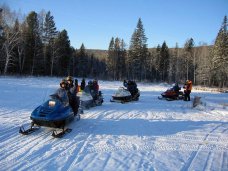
(204, 65)
(32, 45)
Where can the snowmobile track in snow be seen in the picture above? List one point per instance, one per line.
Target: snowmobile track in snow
(15, 147)
(190, 162)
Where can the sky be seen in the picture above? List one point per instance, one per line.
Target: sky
(95, 22)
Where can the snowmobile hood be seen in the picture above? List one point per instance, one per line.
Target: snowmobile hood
(122, 92)
(52, 110)
(84, 96)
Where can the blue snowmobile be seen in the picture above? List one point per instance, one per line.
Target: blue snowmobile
(52, 113)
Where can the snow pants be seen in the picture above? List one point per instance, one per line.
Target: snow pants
(187, 95)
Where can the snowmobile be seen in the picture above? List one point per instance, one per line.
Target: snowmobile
(87, 100)
(123, 95)
(170, 95)
(53, 113)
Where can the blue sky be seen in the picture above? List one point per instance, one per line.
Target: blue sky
(95, 22)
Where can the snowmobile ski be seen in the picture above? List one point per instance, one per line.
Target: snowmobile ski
(60, 134)
(166, 98)
(28, 131)
(119, 101)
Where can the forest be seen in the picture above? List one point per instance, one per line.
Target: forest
(31, 45)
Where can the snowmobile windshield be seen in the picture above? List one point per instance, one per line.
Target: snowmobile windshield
(121, 92)
(54, 96)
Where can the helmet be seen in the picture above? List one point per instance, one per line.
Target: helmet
(95, 80)
(90, 83)
(69, 78)
(63, 81)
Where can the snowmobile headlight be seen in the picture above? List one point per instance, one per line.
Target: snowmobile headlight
(51, 103)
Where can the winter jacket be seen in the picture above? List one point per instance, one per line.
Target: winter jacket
(62, 94)
(188, 87)
(96, 87)
(176, 88)
(83, 84)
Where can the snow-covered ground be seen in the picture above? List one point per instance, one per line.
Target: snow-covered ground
(149, 134)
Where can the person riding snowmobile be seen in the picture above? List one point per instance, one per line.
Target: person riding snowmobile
(187, 90)
(90, 89)
(95, 90)
(131, 87)
(125, 83)
(62, 93)
(176, 89)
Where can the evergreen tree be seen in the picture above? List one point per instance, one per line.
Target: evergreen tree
(49, 28)
(203, 72)
(82, 62)
(116, 66)
(111, 59)
(49, 34)
(174, 66)
(157, 62)
(64, 53)
(122, 60)
(138, 52)
(164, 62)
(188, 49)
(220, 56)
(33, 50)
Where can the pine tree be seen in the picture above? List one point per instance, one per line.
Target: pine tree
(82, 62)
(203, 72)
(189, 52)
(64, 53)
(220, 55)
(174, 66)
(49, 34)
(138, 52)
(49, 28)
(111, 59)
(157, 63)
(122, 60)
(33, 52)
(164, 62)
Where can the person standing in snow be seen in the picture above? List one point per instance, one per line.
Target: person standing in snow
(187, 90)
(76, 86)
(83, 84)
(71, 92)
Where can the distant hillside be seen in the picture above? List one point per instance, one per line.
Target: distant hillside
(98, 53)
(104, 53)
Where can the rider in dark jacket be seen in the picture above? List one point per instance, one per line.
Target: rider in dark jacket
(71, 92)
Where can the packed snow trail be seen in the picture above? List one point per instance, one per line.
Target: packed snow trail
(149, 134)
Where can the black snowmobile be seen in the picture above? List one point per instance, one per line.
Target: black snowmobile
(170, 94)
(53, 113)
(90, 99)
(123, 95)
